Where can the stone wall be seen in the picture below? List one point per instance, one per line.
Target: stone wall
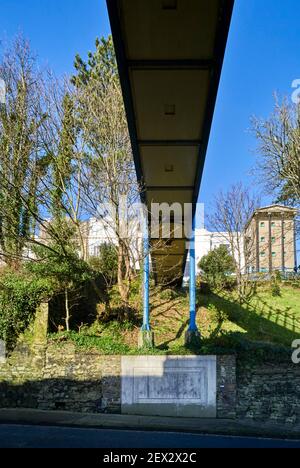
(59, 377)
(226, 387)
(268, 391)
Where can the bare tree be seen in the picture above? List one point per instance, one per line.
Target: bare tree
(41, 159)
(22, 162)
(278, 161)
(231, 213)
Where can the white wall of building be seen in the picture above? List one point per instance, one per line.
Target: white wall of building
(100, 232)
(205, 242)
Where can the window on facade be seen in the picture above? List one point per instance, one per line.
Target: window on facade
(273, 224)
(262, 254)
(262, 239)
(97, 250)
(274, 254)
(263, 270)
(273, 240)
(262, 224)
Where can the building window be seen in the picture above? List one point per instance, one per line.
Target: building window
(273, 240)
(262, 239)
(273, 224)
(263, 270)
(97, 250)
(262, 254)
(274, 254)
(262, 224)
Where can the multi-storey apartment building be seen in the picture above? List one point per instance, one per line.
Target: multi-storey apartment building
(270, 240)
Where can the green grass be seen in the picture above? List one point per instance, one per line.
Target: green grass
(263, 318)
(225, 325)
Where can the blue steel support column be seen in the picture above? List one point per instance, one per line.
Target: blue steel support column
(193, 327)
(146, 275)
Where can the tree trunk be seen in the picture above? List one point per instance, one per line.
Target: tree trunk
(123, 285)
(67, 306)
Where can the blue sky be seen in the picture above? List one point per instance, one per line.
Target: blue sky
(262, 56)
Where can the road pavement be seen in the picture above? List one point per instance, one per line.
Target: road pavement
(21, 436)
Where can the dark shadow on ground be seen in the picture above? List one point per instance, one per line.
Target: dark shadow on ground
(261, 322)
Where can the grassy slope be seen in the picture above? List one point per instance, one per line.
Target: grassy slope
(222, 321)
(263, 319)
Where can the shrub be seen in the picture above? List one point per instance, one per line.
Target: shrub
(20, 294)
(106, 263)
(277, 276)
(275, 289)
(218, 267)
(168, 295)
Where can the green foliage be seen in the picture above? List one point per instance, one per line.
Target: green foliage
(168, 294)
(20, 294)
(217, 266)
(106, 263)
(275, 284)
(275, 289)
(105, 338)
(277, 276)
(101, 64)
(62, 163)
(59, 262)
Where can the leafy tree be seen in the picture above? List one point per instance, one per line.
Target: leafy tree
(62, 267)
(62, 162)
(217, 266)
(106, 263)
(101, 65)
(110, 178)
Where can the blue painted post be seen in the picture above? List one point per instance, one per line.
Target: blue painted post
(193, 327)
(146, 275)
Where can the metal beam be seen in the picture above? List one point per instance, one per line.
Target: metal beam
(169, 189)
(166, 254)
(193, 326)
(146, 275)
(195, 143)
(202, 64)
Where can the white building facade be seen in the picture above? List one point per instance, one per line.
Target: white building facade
(100, 232)
(206, 241)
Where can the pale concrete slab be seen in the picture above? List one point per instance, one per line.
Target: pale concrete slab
(178, 386)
